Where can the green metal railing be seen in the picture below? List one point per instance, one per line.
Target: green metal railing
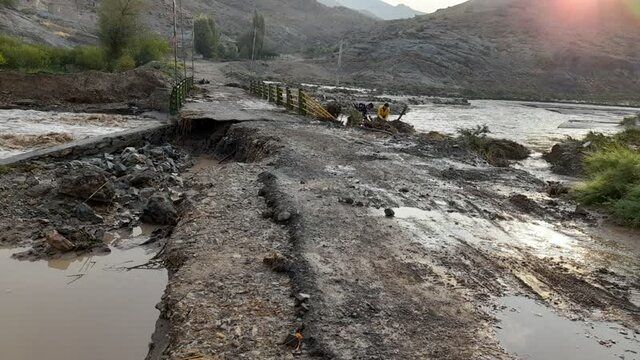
(179, 94)
(293, 100)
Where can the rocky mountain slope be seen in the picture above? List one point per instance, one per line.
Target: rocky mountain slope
(376, 8)
(560, 49)
(292, 25)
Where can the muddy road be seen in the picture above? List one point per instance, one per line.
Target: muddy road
(288, 251)
(285, 237)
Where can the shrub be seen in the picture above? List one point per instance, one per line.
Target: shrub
(89, 58)
(2, 60)
(630, 122)
(613, 181)
(627, 209)
(149, 48)
(8, 3)
(124, 63)
(26, 57)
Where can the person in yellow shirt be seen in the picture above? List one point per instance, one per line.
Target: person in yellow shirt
(383, 112)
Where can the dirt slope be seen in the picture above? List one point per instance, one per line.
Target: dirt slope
(508, 48)
(291, 25)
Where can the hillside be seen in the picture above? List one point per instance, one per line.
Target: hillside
(507, 48)
(292, 25)
(376, 8)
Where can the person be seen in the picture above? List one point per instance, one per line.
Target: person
(384, 111)
(364, 109)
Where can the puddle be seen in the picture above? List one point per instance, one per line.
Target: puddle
(532, 331)
(78, 307)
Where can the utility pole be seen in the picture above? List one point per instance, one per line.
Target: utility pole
(175, 42)
(339, 63)
(253, 49)
(184, 54)
(193, 47)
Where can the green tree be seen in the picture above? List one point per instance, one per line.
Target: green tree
(251, 44)
(8, 3)
(118, 25)
(206, 37)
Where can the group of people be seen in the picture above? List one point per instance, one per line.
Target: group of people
(383, 111)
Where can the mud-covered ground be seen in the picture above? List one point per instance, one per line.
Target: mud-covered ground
(287, 249)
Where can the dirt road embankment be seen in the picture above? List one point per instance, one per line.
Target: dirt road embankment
(286, 250)
(92, 91)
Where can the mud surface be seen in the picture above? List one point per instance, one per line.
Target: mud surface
(129, 92)
(288, 249)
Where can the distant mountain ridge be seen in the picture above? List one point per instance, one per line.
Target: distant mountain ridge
(376, 8)
(292, 25)
(543, 49)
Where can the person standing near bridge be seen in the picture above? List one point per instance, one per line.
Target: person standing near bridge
(383, 112)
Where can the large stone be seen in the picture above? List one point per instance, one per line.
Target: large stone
(87, 183)
(160, 210)
(58, 242)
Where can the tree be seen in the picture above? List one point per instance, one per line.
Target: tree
(206, 38)
(118, 25)
(251, 44)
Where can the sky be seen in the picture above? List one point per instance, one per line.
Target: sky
(426, 5)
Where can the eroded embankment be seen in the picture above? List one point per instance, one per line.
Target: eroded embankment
(307, 201)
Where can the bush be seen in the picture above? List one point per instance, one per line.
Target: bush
(8, 3)
(89, 58)
(2, 60)
(613, 181)
(124, 63)
(149, 48)
(25, 57)
(630, 122)
(627, 209)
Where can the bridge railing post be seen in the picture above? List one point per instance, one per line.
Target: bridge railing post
(301, 103)
(289, 104)
(279, 97)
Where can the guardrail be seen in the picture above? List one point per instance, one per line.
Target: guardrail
(179, 94)
(292, 99)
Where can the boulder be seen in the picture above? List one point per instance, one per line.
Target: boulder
(160, 210)
(58, 242)
(87, 183)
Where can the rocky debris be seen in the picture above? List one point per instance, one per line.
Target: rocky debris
(433, 136)
(389, 212)
(566, 158)
(392, 127)
(451, 101)
(84, 212)
(499, 152)
(87, 183)
(58, 242)
(160, 210)
(524, 203)
(334, 108)
(283, 216)
(556, 189)
(277, 262)
(82, 199)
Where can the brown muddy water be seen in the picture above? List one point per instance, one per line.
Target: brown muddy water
(79, 308)
(532, 331)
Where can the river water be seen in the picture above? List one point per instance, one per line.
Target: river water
(535, 125)
(25, 130)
